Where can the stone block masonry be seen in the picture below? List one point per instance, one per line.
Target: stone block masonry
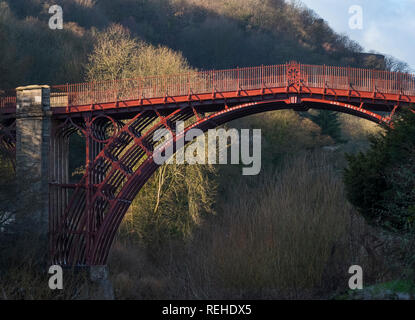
(33, 131)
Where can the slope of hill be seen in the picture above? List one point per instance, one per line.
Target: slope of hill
(288, 233)
(211, 34)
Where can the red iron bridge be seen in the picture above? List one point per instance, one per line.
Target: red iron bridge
(118, 118)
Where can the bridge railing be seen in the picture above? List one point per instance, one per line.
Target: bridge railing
(219, 81)
(7, 102)
(337, 78)
(169, 86)
(7, 98)
(358, 79)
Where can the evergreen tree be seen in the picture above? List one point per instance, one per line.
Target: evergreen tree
(329, 123)
(381, 182)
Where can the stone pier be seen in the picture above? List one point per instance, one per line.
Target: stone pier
(33, 125)
(42, 165)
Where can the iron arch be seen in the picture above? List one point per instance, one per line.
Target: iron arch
(97, 252)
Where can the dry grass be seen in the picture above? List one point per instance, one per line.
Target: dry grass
(286, 234)
(357, 129)
(24, 276)
(282, 235)
(86, 3)
(292, 235)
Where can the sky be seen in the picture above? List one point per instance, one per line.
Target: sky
(388, 25)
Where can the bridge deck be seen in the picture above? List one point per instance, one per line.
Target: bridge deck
(84, 217)
(373, 87)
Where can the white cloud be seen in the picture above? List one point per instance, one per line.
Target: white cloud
(389, 25)
(373, 37)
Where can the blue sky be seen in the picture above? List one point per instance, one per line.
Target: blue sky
(388, 25)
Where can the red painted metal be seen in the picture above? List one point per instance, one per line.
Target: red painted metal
(204, 86)
(119, 118)
(134, 182)
(7, 101)
(346, 84)
(125, 163)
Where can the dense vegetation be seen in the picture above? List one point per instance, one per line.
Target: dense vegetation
(210, 34)
(381, 182)
(205, 231)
